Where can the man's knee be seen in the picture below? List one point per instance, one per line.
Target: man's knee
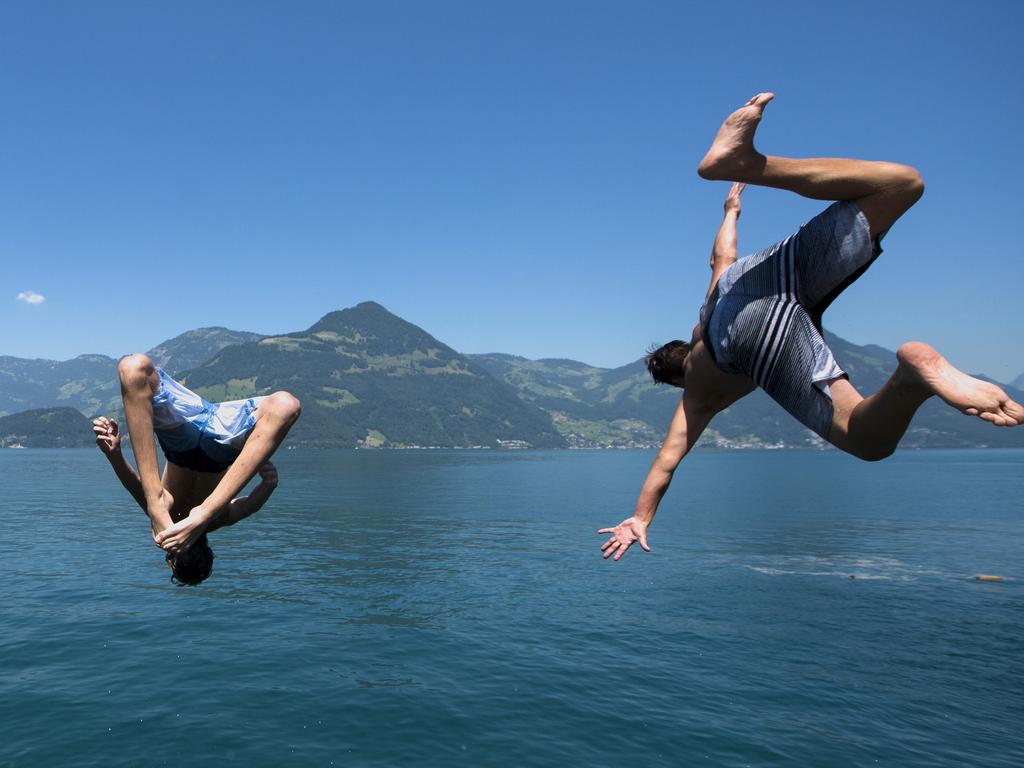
(876, 453)
(870, 452)
(284, 405)
(858, 445)
(911, 183)
(135, 370)
(903, 186)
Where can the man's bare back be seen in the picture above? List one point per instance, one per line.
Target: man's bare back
(710, 388)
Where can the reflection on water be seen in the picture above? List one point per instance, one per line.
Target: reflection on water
(451, 608)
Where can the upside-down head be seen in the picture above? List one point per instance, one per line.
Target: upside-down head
(667, 363)
(194, 565)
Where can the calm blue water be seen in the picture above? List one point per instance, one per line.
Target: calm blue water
(451, 608)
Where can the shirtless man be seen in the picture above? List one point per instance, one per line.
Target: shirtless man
(761, 321)
(213, 450)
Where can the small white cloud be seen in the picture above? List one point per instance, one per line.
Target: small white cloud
(31, 297)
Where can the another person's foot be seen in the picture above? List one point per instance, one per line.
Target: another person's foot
(967, 394)
(732, 155)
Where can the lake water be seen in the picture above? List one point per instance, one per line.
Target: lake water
(451, 609)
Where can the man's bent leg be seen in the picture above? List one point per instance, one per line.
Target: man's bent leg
(883, 191)
(139, 382)
(275, 416)
(871, 428)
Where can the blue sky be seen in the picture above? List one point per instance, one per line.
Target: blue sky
(514, 176)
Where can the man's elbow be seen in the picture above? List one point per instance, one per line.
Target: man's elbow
(234, 512)
(667, 462)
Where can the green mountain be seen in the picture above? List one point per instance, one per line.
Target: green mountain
(46, 428)
(369, 378)
(596, 407)
(193, 348)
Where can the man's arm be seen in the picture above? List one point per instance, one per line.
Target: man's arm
(108, 438)
(723, 252)
(242, 507)
(687, 425)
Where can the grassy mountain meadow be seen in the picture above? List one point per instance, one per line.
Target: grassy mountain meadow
(368, 378)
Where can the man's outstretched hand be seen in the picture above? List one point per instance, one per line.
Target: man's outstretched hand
(184, 533)
(108, 436)
(623, 537)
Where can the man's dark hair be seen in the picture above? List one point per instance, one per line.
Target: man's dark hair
(666, 363)
(194, 565)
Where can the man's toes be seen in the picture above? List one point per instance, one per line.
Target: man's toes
(1001, 417)
(1015, 411)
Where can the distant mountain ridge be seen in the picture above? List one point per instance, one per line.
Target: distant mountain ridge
(595, 407)
(193, 348)
(88, 383)
(368, 378)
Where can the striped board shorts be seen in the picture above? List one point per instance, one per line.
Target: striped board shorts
(196, 434)
(763, 318)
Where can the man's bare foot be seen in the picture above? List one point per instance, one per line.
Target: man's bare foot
(965, 393)
(184, 533)
(732, 156)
